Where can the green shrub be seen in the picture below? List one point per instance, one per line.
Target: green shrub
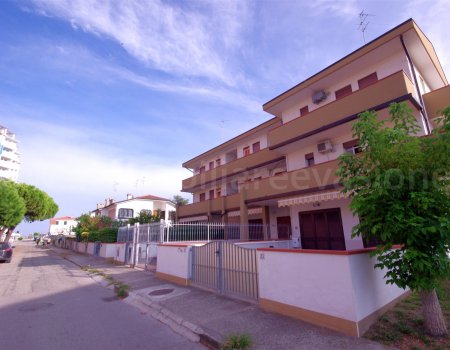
(20, 238)
(237, 341)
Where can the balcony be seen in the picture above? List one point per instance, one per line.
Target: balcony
(315, 178)
(436, 101)
(249, 162)
(386, 89)
(214, 205)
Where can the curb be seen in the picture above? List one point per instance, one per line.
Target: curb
(185, 328)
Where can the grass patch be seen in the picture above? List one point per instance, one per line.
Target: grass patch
(121, 289)
(402, 326)
(237, 341)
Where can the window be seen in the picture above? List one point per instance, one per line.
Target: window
(309, 159)
(304, 111)
(256, 147)
(246, 151)
(202, 170)
(202, 197)
(369, 80)
(57, 222)
(211, 165)
(345, 91)
(65, 222)
(125, 213)
(218, 192)
(218, 162)
(162, 215)
(211, 194)
(352, 146)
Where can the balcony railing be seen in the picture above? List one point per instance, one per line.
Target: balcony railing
(315, 178)
(212, 205)
(251, 161)
(386, 89)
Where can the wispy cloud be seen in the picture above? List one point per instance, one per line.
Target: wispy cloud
(346, 9)
(191, 39)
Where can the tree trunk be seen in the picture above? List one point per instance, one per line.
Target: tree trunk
(432, 314)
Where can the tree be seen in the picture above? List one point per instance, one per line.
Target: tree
(179, 201)
(399, 188)
(38, 205)
(12, 207)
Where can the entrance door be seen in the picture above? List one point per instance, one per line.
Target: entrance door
(284, 227)
(322, 229)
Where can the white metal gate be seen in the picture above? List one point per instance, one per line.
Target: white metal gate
(227, 268)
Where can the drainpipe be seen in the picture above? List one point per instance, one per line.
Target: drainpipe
(423, 111)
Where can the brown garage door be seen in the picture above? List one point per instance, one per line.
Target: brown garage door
(322, 229)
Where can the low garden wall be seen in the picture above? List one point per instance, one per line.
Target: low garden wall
(337, 289)
(174, 263)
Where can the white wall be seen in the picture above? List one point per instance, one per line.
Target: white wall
(316, 282)
(174, 260)
(370, 289)
(108, 250)
(344, 286)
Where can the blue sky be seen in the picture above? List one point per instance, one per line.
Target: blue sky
(110, 97)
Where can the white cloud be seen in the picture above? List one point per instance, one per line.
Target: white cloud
(346, 9)
(186, 41)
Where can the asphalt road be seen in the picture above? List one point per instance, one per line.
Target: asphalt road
(48, 303)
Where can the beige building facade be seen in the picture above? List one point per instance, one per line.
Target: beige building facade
(282, 173)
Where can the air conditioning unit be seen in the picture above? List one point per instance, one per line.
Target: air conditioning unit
(319, 96)
(324, 146)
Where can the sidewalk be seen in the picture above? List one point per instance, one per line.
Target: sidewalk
(209, 318)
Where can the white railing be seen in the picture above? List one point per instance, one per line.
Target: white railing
(192, 232)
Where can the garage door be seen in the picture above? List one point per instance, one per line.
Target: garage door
(322, 229)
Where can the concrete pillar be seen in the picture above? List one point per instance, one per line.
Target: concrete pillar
(266, 222)
(243, 214)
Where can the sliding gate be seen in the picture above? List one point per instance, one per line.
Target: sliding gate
(227, 268)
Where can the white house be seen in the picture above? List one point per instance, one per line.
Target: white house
(62, 226)
(132, 206)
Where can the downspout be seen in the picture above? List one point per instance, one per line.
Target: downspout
(423, 111)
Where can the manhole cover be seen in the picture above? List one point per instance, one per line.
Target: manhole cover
(35, 307)
(161, 291)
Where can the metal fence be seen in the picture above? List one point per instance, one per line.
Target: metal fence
(142, 240)
(227, 268)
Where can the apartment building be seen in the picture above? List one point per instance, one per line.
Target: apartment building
(9, 155)
(132, 206)
(282, 172)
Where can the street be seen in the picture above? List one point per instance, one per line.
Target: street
(46, 302)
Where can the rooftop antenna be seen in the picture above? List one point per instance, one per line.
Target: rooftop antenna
(363, 23)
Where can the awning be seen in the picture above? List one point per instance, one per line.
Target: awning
(252, 211)
(194, 218)
(312, 198)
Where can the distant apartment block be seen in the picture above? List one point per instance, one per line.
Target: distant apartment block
(9, 155)
(132, 206)
(63, 225)
(282, 173)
